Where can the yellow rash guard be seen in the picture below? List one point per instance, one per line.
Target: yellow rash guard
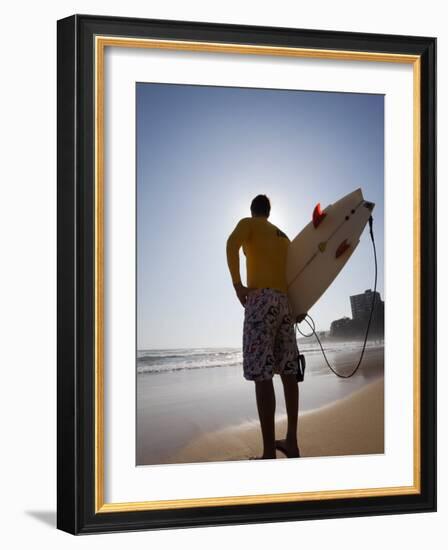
(265, 247)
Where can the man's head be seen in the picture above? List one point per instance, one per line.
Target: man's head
(260, 206)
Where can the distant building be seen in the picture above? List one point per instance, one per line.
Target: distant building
(341, 327)
(362, 304)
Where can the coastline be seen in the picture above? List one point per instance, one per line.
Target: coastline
(177, 412)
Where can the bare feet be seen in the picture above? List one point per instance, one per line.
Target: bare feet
(262, 457)
(290, 450)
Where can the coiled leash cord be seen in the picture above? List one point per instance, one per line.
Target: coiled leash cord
(313, 326)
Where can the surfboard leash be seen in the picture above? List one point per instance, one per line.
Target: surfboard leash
(313, 326)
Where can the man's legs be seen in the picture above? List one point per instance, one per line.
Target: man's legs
(265, 394)
(291, 389)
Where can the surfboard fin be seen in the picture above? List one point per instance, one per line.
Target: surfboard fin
(318, 215)
(342, 248)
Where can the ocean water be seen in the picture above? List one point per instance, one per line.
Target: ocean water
(172, 360)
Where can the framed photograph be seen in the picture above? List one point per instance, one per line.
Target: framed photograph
(246, 274)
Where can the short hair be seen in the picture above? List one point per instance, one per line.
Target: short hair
(261, 206)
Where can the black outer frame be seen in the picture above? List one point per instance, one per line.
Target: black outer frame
(75, 272)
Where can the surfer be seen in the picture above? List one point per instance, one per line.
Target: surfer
(269, 342)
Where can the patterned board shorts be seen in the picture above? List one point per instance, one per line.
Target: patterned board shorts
(269, 340)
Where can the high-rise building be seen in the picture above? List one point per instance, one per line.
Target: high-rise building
(362, 304)
(361, 307)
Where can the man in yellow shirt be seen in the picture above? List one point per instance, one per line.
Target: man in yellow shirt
(269, 342)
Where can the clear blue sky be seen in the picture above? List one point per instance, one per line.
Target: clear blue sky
(203, 153)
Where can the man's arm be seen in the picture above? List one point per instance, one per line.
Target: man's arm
(238, 236)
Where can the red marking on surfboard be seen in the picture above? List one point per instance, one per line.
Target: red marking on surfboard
(342, 248)
(318, 215)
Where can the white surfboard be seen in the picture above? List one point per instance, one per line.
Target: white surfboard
(322, 248)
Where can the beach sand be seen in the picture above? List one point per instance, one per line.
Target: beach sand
(210, 414)
(353, 425)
